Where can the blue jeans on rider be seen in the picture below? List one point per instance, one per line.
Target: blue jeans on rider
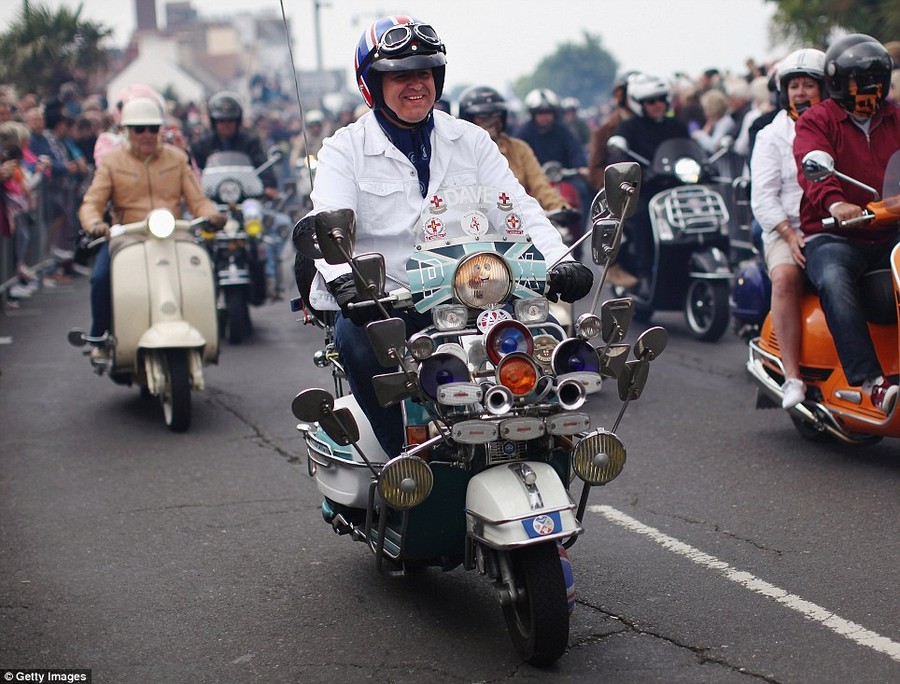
(275, 238)
(359, 361)
(101, 293)
(834, 267)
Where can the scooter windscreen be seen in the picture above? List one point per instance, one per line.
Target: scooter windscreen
(472, 246)
(680, 157)
(230, 177)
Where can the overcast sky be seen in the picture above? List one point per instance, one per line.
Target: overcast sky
(496, 41)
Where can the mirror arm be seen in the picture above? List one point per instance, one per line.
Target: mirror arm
(863, 186)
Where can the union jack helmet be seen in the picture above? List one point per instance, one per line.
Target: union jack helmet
(399, 43)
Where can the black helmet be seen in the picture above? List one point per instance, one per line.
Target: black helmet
(399, 43)
(481, 101)
(225, 106)
(858, 73)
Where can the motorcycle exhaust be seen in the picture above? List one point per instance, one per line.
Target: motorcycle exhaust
(498, 400)
(571, 394)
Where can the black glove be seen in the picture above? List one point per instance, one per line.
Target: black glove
(344, 290)
(569, 281)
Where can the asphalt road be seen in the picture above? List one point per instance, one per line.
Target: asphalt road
(729, 550)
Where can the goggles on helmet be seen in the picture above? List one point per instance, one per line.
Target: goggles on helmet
(398, 38)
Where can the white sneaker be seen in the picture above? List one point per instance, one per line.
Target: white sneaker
(19, 291)
(794, 391)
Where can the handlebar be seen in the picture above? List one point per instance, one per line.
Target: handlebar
(830, 222)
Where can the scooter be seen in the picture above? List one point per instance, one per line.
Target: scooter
(492, 396)
(689, 221)
(164, 313)
(238, 251)
(834, 410)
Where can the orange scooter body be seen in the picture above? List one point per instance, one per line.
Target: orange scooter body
(849, 407)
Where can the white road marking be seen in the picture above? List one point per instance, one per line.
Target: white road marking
(825, 617)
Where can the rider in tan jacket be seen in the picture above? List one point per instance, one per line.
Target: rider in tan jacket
(141, 175)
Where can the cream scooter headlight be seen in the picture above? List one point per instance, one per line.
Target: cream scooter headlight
(482, 280)
(161, 223)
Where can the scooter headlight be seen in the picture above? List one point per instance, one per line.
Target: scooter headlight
(507, 337)
(229, 191)
(161, 223)
(599, 457)
(482, 280)
(687, 170)
(575, 355)
(405, 482)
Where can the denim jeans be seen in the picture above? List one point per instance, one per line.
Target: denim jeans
(835, 267)
(359, 361)
(101, 292)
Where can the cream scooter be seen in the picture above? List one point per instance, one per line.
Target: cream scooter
(164, 327)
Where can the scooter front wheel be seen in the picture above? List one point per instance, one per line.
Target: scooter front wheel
(706, 308)
(538, 616)
(175, 393)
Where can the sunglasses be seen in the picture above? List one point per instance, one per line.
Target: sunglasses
(654, 100)
(143, 129)
(399, 37)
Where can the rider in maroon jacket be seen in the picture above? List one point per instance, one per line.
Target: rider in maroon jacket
(860, 129)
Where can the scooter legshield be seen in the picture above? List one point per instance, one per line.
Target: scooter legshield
(503, 511)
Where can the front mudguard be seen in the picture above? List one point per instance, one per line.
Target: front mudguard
(504, 511)
(710, 263)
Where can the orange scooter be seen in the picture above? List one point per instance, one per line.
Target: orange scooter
(834, 410)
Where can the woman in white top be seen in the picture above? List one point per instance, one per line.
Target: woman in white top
(775, 199)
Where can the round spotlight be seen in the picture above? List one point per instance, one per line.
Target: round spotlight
(439, 369)
(507, 337)
(519, 373)
(405, 482)
(599, 457)
(575, 355)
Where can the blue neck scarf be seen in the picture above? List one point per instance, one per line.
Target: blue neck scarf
(414, 142)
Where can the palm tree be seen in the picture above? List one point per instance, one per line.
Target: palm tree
(42, 49)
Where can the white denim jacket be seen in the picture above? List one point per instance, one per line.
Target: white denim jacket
(360, 169)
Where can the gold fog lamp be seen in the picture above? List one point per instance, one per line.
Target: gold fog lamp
(599, 457)
(405, 482)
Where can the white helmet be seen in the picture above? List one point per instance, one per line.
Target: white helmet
(642, 87)
(804, 62)
(541, 100)
(314, 116)
(142, 111)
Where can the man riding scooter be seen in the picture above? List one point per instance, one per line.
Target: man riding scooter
(860, 129)
(137, 177)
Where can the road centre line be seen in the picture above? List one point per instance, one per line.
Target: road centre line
(825, 617)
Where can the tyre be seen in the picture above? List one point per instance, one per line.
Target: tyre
(706, 308)
(538, 620)
(175, 393)
(237, 315)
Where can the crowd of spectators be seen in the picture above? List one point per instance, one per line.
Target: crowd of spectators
(48, 151)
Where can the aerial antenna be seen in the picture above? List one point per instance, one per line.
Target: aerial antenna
(287, 34)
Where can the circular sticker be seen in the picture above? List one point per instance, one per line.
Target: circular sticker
(433, 228)
(543, 524)
(487, 319)
(475, 223)
(514, 225)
